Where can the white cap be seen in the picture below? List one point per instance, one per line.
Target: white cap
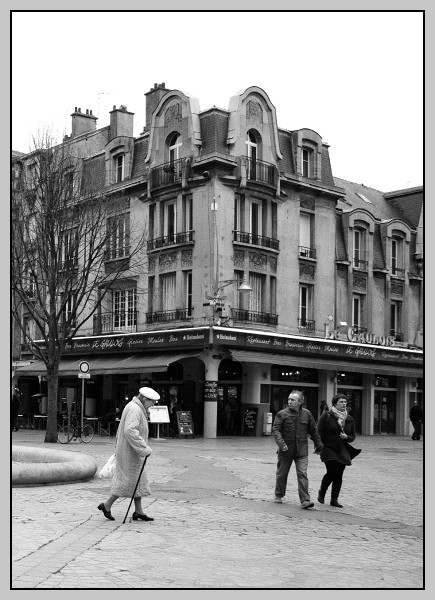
(149, 393)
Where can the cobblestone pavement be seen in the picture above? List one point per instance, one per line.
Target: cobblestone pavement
(216, 525)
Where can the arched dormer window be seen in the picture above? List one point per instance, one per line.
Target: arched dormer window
(253, 148)
(174, 145)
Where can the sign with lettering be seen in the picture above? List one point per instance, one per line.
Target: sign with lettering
(362, 338)
(250, 421)
(185, 422)
(210, 391)
(158, 414)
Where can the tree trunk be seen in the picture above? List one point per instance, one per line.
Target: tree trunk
(52, 386)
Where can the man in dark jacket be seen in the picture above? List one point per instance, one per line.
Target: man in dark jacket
(416, 418)
(291, 429)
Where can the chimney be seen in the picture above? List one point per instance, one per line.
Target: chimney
(152, 98)
(82, 122)
(121, 122)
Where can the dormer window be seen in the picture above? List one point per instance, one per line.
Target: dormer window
(397, 261)
(119, 164)
(307, 162)
(359, 249)
(175, 144)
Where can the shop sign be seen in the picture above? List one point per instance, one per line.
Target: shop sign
(361, 338)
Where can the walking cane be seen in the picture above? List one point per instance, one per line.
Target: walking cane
(137, 483)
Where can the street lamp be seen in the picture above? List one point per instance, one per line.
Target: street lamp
(217, 296)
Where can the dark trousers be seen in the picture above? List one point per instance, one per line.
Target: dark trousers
(334, 475)
(417, 430)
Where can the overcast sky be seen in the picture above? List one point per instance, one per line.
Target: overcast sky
(354, 77)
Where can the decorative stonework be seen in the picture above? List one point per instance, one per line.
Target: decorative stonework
(306, 271)
(273, 264)
(173, 115)
(186, 258)
(254, 112)
(239, 259)
(307, 202)
(257, 260)
(359, 283)
(397, 289)
(168, 261)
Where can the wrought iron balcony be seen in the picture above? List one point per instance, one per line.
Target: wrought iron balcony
(256, 317)
(116, 253)
(258, 170)
(115, 322)
(396, 272)
(179, 314)
(361, 265)
(306, 324)
(307, 252)
(170, 240)
(257, 240)
(168, 173)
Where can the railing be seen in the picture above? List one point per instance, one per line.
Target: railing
(396, 272)
(307, 252)
(362, 265)
(257, 170)
(70, 265)
(110, 322)
(306, 324)
(170, 240)
(167, 173)
(116, 253)
(179, 314)
(258, 240)
(256, 317)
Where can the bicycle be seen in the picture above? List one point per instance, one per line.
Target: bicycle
(74, 431)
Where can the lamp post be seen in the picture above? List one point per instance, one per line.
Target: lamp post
(216, 298)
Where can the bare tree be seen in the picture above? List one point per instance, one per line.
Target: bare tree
(70, 244)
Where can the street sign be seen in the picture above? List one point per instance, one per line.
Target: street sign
(84, 366)
(84, 375)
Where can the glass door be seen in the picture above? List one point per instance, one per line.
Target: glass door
(384, 420)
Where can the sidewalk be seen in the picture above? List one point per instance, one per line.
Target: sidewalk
(216, 525)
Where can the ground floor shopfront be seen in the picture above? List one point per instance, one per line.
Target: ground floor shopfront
(233, 382)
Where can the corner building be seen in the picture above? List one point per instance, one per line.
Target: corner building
(227, 197)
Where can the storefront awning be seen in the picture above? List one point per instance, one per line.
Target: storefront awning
(311, 362)
(138, 363)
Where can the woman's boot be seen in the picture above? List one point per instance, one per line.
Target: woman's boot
(321, 493)
(335, 492)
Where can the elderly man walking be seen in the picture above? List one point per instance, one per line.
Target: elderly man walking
(291, 429)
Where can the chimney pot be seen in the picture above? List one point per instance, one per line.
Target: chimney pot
(75, 109)
(163, 85)
(155, 86)
(87, 111)
(80, 110)
(90, 111)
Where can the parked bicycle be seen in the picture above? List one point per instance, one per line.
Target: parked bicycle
(74, 431)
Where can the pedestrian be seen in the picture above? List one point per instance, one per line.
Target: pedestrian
(131, 450)
(336, 428)
(291, 429)
(15, 409)
(416, 418)
(323, 407)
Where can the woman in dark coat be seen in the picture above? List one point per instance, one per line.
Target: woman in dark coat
(336, 429)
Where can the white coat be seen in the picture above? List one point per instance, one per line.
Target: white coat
(131, 450)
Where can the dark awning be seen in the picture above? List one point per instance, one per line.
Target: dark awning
(311, 362)
(137, 363)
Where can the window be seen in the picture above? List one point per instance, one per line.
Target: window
(254, 222)
(396, 319)
(274, 221)
(188, 292)
(170, 221)
(359, 249)
(305, 236)
(188, 213)
(357, 312)
(167, 291)
(151, 283)
(307, 162)
(29, 327)
(124, 309)
(151, 221)
(256, 282)
(251, 150)
(239, 208)
(29, 284)
(306, 306)
(174, 147)
(119, 167)
(68, 184)
(69, 250)
(397, 256)
(273, 295)
(118, 236)
(69, 306)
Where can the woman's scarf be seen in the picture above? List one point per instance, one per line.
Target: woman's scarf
(340, 415)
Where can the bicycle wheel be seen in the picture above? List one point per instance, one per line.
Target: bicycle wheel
(87, 434)
(65, 434)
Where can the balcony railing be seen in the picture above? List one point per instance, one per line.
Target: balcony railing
(256, 317)
(307, 252)
(170, 240)
(167, 173)
(179, 314)
(71, 264)
(362, 265)
(257, 170)
(258, 240)
(116, 253)
(115, 321)
(306, 324)
(396, 272)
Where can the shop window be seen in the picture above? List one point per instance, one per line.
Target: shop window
(230, 370)
(349, 379)
(175, 372)
(385, 381)
(295, 374)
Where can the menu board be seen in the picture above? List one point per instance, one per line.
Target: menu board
(250, 421)
(185, 422)
(158, 414)
(210, 391)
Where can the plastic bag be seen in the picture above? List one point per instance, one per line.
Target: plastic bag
(109, 468)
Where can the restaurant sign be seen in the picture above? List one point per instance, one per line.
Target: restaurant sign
(361, 338)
